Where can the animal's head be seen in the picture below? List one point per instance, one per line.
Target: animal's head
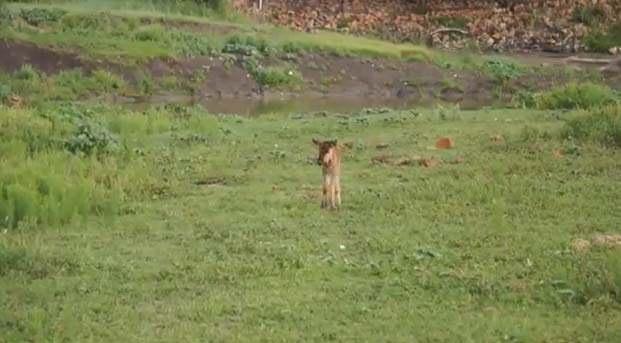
(326, 151)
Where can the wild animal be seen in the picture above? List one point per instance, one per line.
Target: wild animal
(329, 159)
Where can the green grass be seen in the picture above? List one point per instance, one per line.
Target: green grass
(218, 235)
(71, 84)
(601, 126)
(600, 40)
(574, 95)
(110, 33)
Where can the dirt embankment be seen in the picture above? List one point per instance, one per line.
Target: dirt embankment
(372, 81)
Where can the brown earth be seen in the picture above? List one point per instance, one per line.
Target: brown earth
(361, 82)
(14, 55)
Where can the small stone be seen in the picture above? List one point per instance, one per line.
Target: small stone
(445, 143)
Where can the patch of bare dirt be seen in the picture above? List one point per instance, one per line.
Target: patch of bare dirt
(216, 77)
(16, 54)
(362, 82)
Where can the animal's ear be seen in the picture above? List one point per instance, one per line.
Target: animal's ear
(316, 142)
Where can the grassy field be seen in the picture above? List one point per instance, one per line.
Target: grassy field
(175, 225)
(132, 34)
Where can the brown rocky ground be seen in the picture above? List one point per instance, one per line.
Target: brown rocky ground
(544, 25)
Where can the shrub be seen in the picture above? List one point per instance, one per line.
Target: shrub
(191, 45)
(602, 41)
(105, 81)
(150, 34)
(588, 15)
(502, 70)
(576, 96)
(38, 16)
(247, 46)
(602, 126)
(91, 138)
(28, 73)
(277, 77)
(5, 92)
(40, 183)
(5, 14)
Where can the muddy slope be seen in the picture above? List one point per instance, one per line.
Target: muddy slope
(13, 55)
(224, 77)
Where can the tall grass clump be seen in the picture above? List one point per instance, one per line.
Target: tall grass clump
(602, 126)
(50, 173)
(575, 96)
(602, 40)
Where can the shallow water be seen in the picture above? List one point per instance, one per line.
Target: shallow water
(294, 104)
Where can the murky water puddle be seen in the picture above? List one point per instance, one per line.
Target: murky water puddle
(297, 104)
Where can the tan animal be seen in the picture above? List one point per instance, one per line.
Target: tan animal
(330, 161)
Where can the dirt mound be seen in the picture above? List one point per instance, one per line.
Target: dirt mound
(16, 54)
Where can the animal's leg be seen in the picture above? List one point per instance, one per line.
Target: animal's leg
(332, 193)
(337, 183)
(324, 196)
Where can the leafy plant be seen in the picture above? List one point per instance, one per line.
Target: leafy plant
(277, 77)
(601, 41)
(502, 70)
(27, 72)
(37, 16)
(576, 95)
(5, 92)
(91, 138)
(5, 14)
(588, 14)
(601, 126)
(191, 45)
(247, 46)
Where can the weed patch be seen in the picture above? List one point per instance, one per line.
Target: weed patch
(600, 40)
(40, 16)
(602, 126)
(502, 70)
(575, 96)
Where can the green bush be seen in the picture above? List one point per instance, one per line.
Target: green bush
(89, 138)
(502, 70)
(576, 96)
(39, 16)
(191, 45)
(588, 15)
(5, 14)
(602, 41)
(248, 46)
(277, 77)
(107, 82)
(602, 126)
(42, 184)
(27, 72)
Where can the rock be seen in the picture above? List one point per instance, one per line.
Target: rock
(445, 143)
